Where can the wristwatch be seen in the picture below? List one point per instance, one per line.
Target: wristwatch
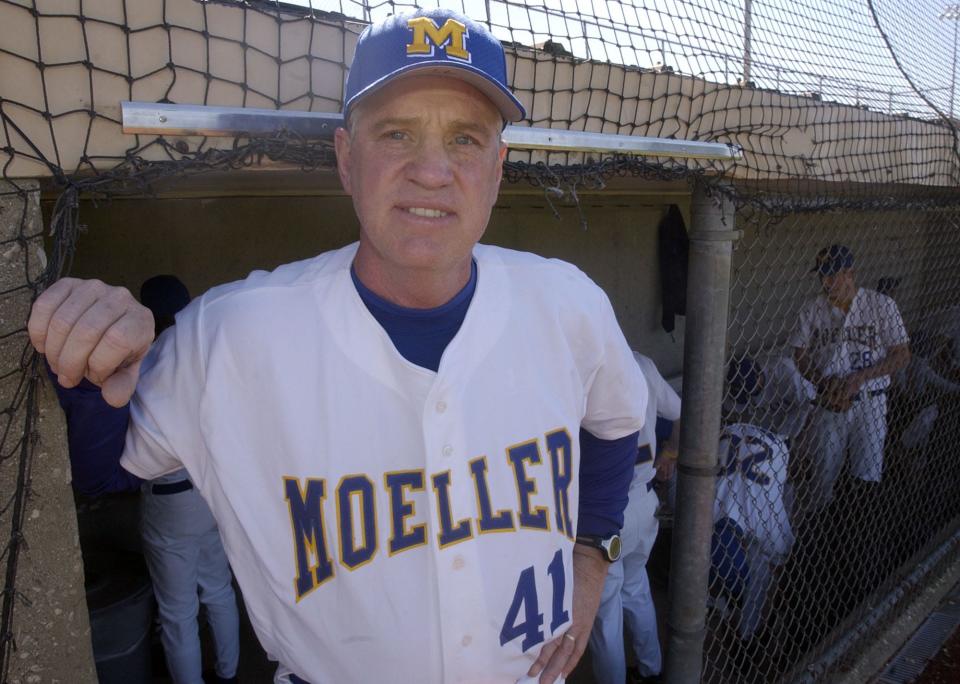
(609, 546)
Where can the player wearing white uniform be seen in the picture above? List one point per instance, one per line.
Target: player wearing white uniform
(750, 496)
(626, 592)
(769, 392)
(387, 519)
(930, 376)
(847, 342)
(943, 329)
(182, 547)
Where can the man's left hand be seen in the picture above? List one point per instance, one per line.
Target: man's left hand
(665, 465)
(852, 384)
(559, 657)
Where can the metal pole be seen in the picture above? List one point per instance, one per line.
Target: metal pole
(952, 13)
(747, 27)
(708, 296)
(953, 71)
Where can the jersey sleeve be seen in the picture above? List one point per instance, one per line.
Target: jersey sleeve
(666, 398)
(164, 433)
(95, 437)
(616, 399)
(605, 475)
(800, 337)
(892, 330)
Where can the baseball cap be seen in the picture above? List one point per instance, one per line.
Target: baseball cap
(833, 259)
(436, 41)
(164, 295)
(744, 378)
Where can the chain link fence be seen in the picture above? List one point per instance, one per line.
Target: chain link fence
(831, 508)
(827, 496)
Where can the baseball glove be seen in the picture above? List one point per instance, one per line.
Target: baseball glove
(832, 395)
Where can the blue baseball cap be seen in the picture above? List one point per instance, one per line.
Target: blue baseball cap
(436, 41)
(164, 295)
(744, 377)
(833, 259)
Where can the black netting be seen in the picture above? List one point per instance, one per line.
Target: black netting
(845, 113)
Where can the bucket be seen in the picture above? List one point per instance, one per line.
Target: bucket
(120, 600)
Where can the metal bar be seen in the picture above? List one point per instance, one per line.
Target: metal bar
(708, 296)
(157, 118)
(551, 139)
(747, 42)
(172, 119)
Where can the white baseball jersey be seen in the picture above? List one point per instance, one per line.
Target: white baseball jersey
(931, 367)
(947, 323)
(842, 343)
(753, 473)
(626, 592)
(782, 405)
(387, 522)
(919, 379)
(663, 402)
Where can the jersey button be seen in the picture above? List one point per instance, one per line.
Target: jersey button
(448, 451)
(458, 562)
(441, 406)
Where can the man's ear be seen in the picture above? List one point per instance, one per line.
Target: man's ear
(502, 157)
(341, 143)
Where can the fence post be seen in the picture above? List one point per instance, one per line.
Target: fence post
(708, 296)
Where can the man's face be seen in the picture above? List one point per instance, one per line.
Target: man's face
(422, 162)
(839, 286)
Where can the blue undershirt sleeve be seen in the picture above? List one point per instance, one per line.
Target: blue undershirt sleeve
(96, 433)
(606, 470)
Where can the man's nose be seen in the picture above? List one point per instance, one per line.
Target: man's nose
(431, 166)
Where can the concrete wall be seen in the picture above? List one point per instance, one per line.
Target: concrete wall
(209, 240)
(50, 627)
(772, 264)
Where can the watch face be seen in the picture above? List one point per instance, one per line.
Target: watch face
(614, 548)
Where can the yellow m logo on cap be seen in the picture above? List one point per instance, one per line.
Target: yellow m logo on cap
(451, 37)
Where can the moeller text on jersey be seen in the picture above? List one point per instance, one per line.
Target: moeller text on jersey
(860, 334)
(350, 507)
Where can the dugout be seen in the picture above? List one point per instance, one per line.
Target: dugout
(211, 230)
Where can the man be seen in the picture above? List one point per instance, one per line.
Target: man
(943, 331)
(768, 392)
(182, 547)
(752, 533)
(400, 439)
(847, 343)
(929, 378)
(626, 592)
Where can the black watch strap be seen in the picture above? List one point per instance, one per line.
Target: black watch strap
(609, 546)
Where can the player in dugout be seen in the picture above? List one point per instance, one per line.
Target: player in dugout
(847, 343)
(627, 597)
(417, 448)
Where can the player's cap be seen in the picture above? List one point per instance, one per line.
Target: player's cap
(164, 295)
(833, 259)
(435, 41)
(744, 378)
